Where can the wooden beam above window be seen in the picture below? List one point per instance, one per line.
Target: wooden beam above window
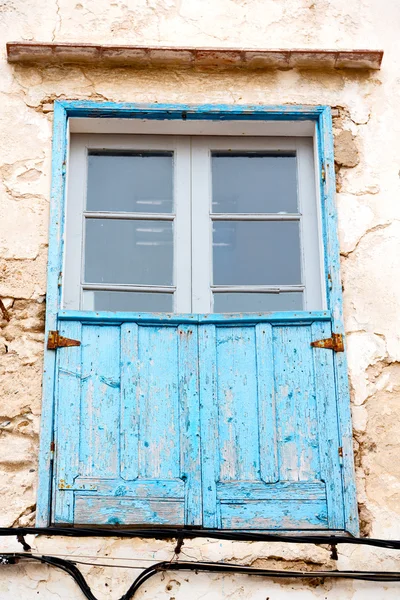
(162, 56)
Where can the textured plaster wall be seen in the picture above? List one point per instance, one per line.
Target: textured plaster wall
(367, 135)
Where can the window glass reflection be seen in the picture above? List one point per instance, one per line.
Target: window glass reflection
(129, 251)
(259, 303)
(127, 301)
(256, 253)
(254, 182)
(130, 182)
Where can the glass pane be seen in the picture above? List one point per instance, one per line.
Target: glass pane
(130, 182)
(242, 302)
(127, 301)
(121, 251)
(256, 253)
(254, 182)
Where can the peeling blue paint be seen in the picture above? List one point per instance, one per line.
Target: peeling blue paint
(218, 112)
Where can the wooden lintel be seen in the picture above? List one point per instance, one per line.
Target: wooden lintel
(162, 56)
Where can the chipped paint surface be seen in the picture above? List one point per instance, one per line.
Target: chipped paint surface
(366, 131)
(143, 458)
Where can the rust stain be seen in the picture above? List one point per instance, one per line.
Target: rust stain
(63, 485)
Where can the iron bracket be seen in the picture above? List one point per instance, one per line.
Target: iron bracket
(55, 340)
(334, 343)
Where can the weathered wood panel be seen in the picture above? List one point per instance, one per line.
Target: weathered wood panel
(101, 510)
(264, 446)
(129, 435)
(327, 424)
(296, 404)
(281, 490)
(140, 488)
(237, 404)
(221, 424)
(157, 374)
(100, 401)
(269, 514)
(209, 426)
(189, 422)
(128, 425)
(68, 421)
(266, 403)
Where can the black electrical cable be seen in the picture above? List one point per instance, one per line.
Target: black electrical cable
(230, 568)
(70, 568)
(180, 533)
(65, 565)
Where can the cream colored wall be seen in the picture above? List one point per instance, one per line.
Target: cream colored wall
(367, 132)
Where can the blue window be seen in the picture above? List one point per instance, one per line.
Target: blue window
(196, 372)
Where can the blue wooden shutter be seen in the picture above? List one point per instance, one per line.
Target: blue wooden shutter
(270, 444)
(127, 424)
(140, 396)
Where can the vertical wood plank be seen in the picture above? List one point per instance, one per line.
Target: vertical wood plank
(59, 150)
(346, 442)
(329, 217)
(100, 452)
(158, 406)
(67, 423)
(335, 304)
(266, 403)
(129, 467)
(189, 422)
(210, 459)
(237, 403)
(328, 426)
(296, 404)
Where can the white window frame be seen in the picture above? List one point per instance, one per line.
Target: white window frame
(308, 217)
(192, 287)
(76, 214)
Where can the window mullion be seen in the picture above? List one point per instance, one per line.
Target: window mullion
(74, 223)
(182, 226)
(201, 226)
(311, 249)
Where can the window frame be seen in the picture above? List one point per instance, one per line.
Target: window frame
(192, 220)
(76, 214)
(164, 116)
(311, 252)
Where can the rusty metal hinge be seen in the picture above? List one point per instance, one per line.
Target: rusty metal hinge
(55, 340)
(52, 448)
(323, 174)
(334, 343)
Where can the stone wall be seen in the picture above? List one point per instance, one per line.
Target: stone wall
(367, 145)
